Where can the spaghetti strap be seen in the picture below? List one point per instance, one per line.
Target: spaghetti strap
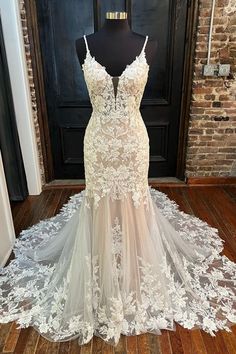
(86, 43)
(144, 45)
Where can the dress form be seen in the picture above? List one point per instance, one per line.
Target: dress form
(115, 45)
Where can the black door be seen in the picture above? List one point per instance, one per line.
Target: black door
(60, 24)
(9, 141)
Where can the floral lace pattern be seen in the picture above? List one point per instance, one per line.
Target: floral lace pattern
(116, 143)
(196, 291)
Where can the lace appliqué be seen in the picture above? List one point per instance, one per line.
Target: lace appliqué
(116, 143)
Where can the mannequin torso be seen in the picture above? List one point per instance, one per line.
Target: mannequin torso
(114, 46)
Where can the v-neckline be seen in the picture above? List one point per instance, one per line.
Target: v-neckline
(115, 95)
(127, 65)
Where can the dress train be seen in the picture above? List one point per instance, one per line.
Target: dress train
(118, 269)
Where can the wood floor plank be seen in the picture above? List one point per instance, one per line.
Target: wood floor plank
(25, 208)
(31, 341)
(198, 343)
(230, 341)
(165, 343)
(181, 198)
(64, 199)
(225, 208)
(220, 344)
(4, 330)
(231, 191)
(64, 348)
(25, 333)
(107, 348)
(120, 347)
(185, 337)
(11, 338)
(53, 348)
(176, 343)
(87, 348)
(143, 344)
(42, 345)
(202, 203)
(75, 348)
(131, 344)
(97, 345)
(221, 225)
(210, 343)
(16, 208)
(154, 343)
(34, 213)
(53, 202)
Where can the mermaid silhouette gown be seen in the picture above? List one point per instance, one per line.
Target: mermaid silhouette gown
(119, 257)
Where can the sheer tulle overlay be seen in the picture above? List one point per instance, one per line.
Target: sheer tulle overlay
(118, 269)
(120, 257)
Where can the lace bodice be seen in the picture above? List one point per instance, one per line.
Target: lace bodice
(116, 144)
(110, 94)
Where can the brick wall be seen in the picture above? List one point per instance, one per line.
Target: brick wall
(211, 146)
(32, 88)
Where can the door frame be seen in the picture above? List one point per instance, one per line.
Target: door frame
(190, 39)
(15, 54)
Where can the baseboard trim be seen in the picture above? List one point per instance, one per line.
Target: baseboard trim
(80, 184)
(78, 187)
(155, 183)
(208, 181)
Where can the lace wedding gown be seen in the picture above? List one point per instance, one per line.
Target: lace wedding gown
(119, 257)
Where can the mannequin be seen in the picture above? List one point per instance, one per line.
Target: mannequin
(115, 45)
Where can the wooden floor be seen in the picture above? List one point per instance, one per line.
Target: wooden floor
(215, 205)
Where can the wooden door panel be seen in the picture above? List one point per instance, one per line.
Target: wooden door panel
(60, 24)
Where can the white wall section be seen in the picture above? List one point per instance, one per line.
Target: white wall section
(12, 32)
(7, 232)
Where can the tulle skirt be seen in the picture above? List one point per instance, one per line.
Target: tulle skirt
(117, 269)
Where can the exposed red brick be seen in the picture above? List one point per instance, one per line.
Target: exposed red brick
(209, 97)
(31, 85)
(219, 137)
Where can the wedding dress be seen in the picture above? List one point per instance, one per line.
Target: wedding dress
(119, 257)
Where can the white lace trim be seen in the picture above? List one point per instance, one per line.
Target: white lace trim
(204, 299)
